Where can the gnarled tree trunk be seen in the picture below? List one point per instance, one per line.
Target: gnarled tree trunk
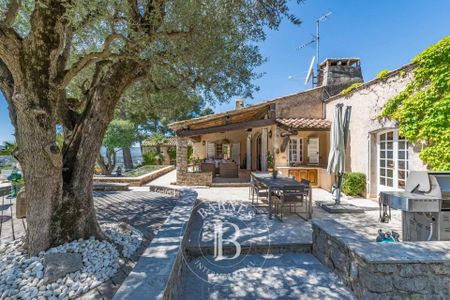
(127, 158)
(59, 182)
(108, 166)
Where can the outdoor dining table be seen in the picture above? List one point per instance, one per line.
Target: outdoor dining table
(271, 183)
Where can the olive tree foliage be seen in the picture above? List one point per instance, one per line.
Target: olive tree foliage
(152, 110)
(120, 134)
(66, 64)
(7, 148)
(423, 108)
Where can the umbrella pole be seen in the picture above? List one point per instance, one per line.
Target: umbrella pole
(338, 190)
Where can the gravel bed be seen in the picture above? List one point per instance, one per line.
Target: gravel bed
(24, 277)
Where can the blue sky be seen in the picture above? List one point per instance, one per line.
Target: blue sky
(384, 34)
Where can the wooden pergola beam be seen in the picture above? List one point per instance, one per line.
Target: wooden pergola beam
(227, 127)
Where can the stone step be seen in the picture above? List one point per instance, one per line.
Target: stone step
(282, 276)
(111, 186)
(197, 251)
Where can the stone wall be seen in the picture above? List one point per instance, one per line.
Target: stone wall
(301, 105)
(157, 273)
(194, 178)
(410, 270)
(135, 181)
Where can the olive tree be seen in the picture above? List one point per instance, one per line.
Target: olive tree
(66, 64)
(120, 134)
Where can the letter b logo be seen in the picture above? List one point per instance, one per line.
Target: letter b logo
(219, 240)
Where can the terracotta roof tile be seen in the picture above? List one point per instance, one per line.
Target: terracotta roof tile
(305, 123)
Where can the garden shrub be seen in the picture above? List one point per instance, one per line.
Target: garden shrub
(172, 155)
(354, 184)
(152, 158)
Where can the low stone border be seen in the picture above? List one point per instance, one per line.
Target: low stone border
(136, 181)
(110, 186)
(419, 270)
(194, 178)
(157, 274)
(176, 192)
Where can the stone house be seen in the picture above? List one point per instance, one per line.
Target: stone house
(294, 130)
(375, 147)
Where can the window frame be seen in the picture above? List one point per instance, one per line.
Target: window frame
(299, 150)
(396, 140)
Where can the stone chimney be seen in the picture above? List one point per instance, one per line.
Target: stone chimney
(239, 104)
(339, 73)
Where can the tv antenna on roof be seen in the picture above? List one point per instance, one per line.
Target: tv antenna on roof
(315, 39)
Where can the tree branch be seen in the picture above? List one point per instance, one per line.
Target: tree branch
(134, 12)
(11, 13)
(91, 58)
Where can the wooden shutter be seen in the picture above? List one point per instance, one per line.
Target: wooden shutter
(210, 150)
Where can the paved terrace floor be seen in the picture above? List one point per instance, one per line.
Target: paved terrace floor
(145, 211)
(286, 273)
(294, 229)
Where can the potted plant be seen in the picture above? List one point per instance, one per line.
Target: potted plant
(270, 165)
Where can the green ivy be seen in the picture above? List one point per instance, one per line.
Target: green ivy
(350, 88)
(423, 108)
(383, 74)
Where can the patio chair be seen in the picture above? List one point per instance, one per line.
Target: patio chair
(289, 196)
(260, 191)
(208, 167)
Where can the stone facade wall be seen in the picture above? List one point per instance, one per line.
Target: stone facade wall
(301, 105)
(391, 279)
(194, 178)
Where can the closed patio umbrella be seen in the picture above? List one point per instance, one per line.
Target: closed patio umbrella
(336, 157)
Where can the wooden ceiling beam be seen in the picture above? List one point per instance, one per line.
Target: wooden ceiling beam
(228, 127)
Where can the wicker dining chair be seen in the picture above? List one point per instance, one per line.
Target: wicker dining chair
(260, 191)
(289, 196)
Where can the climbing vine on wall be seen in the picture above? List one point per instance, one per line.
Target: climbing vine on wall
(423, 108)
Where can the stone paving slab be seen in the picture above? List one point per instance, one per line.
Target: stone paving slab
(284, 276)
(255, 229)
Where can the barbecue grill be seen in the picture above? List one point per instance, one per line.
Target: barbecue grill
(425, 206)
